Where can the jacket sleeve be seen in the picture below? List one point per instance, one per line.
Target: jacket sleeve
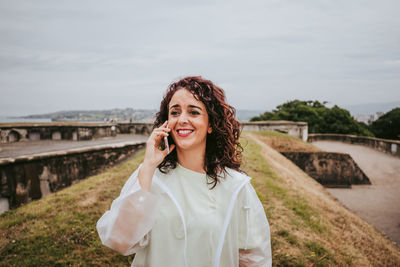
(125, 226)
(254, 239)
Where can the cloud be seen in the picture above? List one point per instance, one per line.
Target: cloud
(262, 52)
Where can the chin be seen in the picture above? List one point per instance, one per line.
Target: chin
(183, 146)
(186, 145)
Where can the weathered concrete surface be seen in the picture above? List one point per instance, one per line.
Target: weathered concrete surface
(12, 150)
(294, 128)
(378, 203)
(329, 168)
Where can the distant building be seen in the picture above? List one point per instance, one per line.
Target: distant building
(368, 118)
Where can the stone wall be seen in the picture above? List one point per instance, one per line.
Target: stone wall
(134, 128)
(385, 145)
(298, 129)
(15, 132)
(329, 169)
(26, 178)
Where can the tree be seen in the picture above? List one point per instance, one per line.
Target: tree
(388, 125)
(320, 118)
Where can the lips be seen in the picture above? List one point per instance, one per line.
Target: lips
(184, 132)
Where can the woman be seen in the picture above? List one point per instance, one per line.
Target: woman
(192, 206)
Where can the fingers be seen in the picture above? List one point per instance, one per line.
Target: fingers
(161, 131)
(156, 151)
(158, 134)
(165, 151)
(164, 127)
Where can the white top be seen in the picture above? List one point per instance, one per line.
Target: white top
(184, 223)
(198, 203)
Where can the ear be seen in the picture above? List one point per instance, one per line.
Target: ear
(209, 130)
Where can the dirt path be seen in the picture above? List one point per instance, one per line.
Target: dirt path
(379, 203)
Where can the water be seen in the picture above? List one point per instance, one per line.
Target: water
(11, 119)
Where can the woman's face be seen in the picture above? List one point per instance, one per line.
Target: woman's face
(188, 120)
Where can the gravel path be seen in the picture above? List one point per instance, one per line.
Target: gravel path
(13, 150)
(379, 203)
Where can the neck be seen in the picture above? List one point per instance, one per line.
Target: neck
(192, 159)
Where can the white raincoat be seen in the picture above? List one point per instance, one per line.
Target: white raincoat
(181, 222)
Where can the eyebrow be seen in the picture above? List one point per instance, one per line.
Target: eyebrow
(190, 106)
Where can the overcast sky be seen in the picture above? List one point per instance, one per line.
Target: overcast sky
(114, 54)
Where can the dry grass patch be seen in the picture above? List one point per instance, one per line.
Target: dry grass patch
(285, 143)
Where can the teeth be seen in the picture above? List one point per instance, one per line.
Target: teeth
(184, 131)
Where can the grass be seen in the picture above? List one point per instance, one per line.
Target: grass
(285, 143)
(60, 229)
(308, 227)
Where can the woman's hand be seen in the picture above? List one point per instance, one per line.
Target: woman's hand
(153, 155)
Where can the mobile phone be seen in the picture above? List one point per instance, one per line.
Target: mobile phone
(166, 142)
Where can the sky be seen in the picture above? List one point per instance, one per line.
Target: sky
(68, 55)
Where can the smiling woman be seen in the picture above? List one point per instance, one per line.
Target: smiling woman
(223, 130)
(190, 205)
(188, 120)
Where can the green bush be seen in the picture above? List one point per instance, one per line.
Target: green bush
(320, 118)
(388, 125)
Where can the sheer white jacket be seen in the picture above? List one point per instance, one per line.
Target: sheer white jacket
(181, 222)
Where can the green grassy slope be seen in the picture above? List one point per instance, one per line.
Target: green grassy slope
(60, 229)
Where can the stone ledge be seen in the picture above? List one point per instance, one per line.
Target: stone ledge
(385, 145)
(329, 168)
(41, 156)
(275, 123)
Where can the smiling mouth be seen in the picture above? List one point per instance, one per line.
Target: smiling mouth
(184, 132)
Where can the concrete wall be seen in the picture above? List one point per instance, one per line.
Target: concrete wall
(26, 178)
(16, 132)
(385, 145)
(134, 128)
(298, 129)
(329, 169)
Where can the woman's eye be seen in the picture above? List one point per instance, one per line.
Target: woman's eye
(174, 113)
(193, 112)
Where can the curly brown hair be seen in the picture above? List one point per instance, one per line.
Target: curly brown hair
(222, 145)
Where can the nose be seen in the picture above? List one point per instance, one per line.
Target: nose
(183, 118)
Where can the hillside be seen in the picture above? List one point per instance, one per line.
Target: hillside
(116, 114)
(308, 226)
